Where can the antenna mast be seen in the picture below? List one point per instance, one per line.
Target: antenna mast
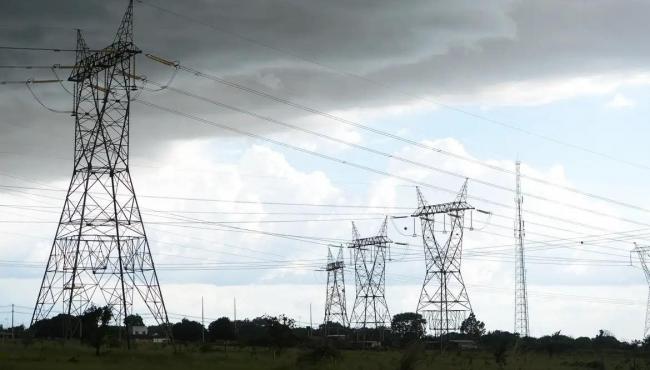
(521, 290)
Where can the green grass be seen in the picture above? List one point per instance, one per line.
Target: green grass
(54, 356)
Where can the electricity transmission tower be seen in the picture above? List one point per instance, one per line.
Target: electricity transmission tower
(521, 290)
(335, 310)
(444, 302)
(644, 258)
(100, 252)
(369, 254)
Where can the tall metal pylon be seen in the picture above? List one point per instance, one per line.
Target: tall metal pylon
(100, 254)
(521, 289)
(644, 258)
(370, 309)
(444, 302)
(335, 310)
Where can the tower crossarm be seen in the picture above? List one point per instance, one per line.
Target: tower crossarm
(103, 59)
(337, 265)
(379, 241)
(452, 207)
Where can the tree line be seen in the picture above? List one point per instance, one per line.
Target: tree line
(280, 332)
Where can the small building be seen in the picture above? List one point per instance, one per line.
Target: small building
(369, 344)
(464, 344)
(139, 330)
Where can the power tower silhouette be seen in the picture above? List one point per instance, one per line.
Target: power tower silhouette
(369, 255)
(444, 302)
(100, 252)
(521, 290)
(335, 310)
(644, 257)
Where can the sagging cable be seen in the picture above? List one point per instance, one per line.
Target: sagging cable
(29, 82)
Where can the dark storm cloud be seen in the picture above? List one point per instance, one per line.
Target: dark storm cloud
(418, 46)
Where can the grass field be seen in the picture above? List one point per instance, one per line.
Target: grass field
(55, 356)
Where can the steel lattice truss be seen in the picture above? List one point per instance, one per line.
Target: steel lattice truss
(370, 309)
(444, 302)
(644, 258)
(100, 253)
(335, 310)
(521, 292)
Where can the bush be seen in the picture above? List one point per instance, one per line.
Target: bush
(500, 355)
(321, 352)
(411, 356)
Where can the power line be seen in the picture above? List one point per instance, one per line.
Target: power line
(356, 206)
(57, 50)
(416, 163)
(33, 67)
(399, 158)
(536, 233)
(217, 200)
(481, 251)
(399, 91)
(353, 164)
(582, 239)
(312, 110)
(496, 225)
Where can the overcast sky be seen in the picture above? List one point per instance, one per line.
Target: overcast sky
(562, 86)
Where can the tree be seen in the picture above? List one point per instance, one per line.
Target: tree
(408, 326)
(556, 343)
(605, 339)
(333, 328)
(500, 355)
(187, 330)
(646, 342)
(472, 327)
(133, 320)
(160, 331)
(94, 323)
(53, 327)
(221, 329)
(278, 330)
(251, 332)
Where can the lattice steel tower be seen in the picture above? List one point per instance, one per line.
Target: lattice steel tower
(100, 254)
(369, 254)
(335, 311)
(644, 258)
(521, 290)
(444, 302)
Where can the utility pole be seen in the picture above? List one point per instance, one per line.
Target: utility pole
(335, 304)
(444, 301)
(202, 323)
(370, 309)
(521, 290)
(12, 321)
(311, 323)
(234, 313)
(100, 250)
(644, 257)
